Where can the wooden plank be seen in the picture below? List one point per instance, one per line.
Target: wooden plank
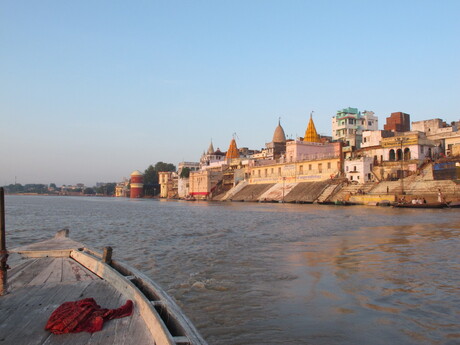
(51, 272)
(153, 321)
(26, 321)
(72, 271)
(52, 244)
(28, 273)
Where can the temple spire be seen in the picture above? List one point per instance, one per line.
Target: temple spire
(232, 149)
(310, 134)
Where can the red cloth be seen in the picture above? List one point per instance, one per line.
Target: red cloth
(84, 316)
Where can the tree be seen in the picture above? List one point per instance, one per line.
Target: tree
(160, 166)
(151, 186)
(89, 191)
(185, 173)
(150, 175)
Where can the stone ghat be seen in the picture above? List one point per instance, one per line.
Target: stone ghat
(332, 191)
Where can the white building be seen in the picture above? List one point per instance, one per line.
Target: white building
(348, 125)
(359, 169)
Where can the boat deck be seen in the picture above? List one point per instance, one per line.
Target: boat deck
(38, 286)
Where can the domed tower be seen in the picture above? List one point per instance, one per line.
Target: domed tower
(279, 136)
(310, 134)
(277, 147)
(232, 150)
(137, 184)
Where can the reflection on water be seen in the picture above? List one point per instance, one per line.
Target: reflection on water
(273, 273)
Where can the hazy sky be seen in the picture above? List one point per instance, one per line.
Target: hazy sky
(92, 90)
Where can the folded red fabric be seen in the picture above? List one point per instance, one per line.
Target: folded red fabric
(84, 316)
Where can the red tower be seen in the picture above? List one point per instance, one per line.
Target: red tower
(137, 184)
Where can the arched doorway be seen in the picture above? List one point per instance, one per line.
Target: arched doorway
(392, 155)
(406, 154)
(399, 155)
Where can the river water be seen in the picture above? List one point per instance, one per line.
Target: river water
(249, 273)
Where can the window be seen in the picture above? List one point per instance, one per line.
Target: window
(266, 172)
(258, 172)
(301, 169)
(309, 166)
(279, 171)
(320, 167)
(271, 172)
(346, 168)
(329, 165)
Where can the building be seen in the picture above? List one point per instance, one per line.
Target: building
(184, 177)
(359, 169)
(307, 159)
(409, 146)
(137, 184)
(348, 125)
(311, 147)
(168, 184)
(277, 147)
(122, 189)
(398, 122)
(314, 170)
(212, 159)
(203, 182)
(447, 135)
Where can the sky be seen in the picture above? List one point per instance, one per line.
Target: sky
(93, 90)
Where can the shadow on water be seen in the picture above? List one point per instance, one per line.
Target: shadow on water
(276, 273)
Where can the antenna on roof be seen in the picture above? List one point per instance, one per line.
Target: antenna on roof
(311, 114)
(235, 135)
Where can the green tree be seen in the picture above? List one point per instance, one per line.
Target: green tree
(150, 175)
(160, 166)
(185, 173)
(151, 185)
(89, 191)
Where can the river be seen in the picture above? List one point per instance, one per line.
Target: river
(249, 273)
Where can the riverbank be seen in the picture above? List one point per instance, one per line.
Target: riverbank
(340, 191)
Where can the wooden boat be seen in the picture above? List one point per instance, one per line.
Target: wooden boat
(453, 204)
(46, 274)
(427, 205)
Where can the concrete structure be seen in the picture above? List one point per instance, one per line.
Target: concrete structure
(374, 138)
(348, 125)
(137, 184)
(299, 171)
(168, 184)
(359, 169)
(398, 122)
(121, 189)
(304, 151)
(203, 182)
(410, 145)
(447, 135)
